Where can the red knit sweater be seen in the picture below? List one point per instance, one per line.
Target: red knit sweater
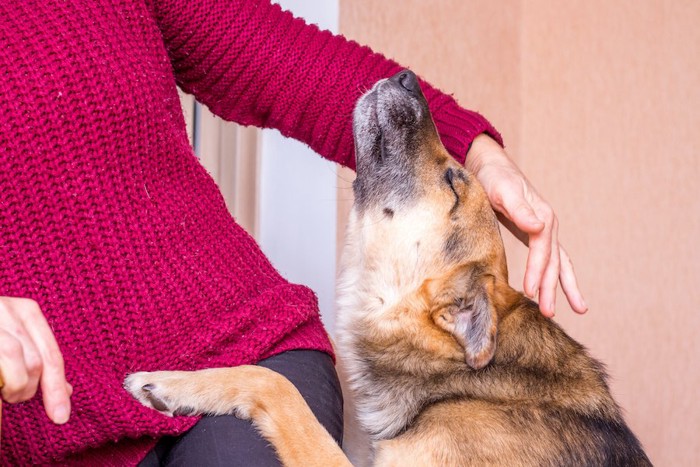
(110, 223)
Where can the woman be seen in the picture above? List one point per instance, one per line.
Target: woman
(117, 251)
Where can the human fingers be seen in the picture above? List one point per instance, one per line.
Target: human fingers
(20, 361)
(569, 285)
(540, 252)
(534, 218)
(15, 375)
(526, 215)
(54, 387)
(514, 204)
(550, 277)
(545, 257)
(29, 356)
(531, 273)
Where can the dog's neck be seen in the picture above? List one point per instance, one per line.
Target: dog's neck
(383, 371)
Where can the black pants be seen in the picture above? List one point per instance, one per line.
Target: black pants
(229, 441)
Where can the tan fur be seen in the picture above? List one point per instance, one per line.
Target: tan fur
(255, 393)
(449, 366)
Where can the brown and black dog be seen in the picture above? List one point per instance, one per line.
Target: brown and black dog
(448, 365)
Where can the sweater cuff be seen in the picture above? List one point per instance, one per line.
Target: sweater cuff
(458, 127)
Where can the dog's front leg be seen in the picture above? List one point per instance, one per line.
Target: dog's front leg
(258, 394)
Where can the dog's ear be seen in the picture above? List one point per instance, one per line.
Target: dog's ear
(463, 306)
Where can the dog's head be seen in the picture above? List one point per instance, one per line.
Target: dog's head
(423, 222)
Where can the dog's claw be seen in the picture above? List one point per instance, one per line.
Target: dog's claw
(154, 389)
(184, 411)
(156, 403)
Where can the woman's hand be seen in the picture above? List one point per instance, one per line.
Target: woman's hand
(30, 357)
(531, 219)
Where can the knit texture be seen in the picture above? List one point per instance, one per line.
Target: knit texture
(110, 223)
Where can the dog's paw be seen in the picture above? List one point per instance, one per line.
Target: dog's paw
(160, 390)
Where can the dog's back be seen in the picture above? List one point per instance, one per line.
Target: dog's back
(460, 433)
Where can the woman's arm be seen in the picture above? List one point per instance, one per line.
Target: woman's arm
(253, 63)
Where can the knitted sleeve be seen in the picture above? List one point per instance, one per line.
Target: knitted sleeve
(255, 64)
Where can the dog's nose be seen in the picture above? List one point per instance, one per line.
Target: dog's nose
(408, 80)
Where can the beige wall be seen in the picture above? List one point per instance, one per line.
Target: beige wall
(599, 102)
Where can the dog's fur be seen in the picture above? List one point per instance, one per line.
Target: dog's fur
(449, 366)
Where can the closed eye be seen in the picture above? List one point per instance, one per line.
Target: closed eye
(450, 179)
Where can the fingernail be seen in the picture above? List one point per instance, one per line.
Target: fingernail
(61, 414)
(584, 306)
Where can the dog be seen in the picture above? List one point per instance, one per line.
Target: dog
(449, 365)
